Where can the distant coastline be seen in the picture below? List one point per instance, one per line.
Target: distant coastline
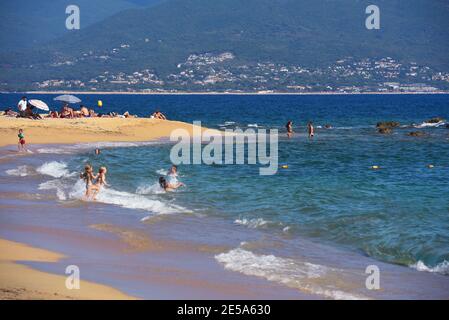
(226, 93)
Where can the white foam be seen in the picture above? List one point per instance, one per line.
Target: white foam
(253, 125)
(56, 185)
(251, 223)
(430, 125)
(162, 172)
(54, 169)
(127, 200)
(304, 276)
(71, 149)
(21, 171)
(150, 189)
(442, 268)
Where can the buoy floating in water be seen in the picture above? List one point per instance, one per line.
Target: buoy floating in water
(375, 167)
(100, 103)
(284, 167)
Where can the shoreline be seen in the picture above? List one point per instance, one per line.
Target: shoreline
(275, 93)
(163, 277)
(82, 130)
(37, 285)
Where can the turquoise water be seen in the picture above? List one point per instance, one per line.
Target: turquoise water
(398, 214)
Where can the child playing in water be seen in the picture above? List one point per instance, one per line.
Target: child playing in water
(172, 178)
(101, 181)
(89, 177)
(22, 144)
(171, 183)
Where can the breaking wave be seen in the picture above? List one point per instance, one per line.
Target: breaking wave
(305, 276)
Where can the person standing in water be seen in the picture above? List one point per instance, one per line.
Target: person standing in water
(289, 127)
(89, 177)
(22, 144)
(311, 129)
(101, 181)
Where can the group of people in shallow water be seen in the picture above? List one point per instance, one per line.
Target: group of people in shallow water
(96, 182)
(310, 129)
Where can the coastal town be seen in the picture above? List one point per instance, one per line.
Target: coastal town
(223, 72)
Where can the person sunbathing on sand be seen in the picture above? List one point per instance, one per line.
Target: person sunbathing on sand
(67, 112)
(158, 115)
(83, 112)
(89, 177)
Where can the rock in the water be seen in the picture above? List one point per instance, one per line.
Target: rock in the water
(416, 134)
(388, 124)
(435, 120)
(385, 130)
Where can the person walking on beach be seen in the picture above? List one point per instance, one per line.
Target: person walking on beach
(22, 106)
(289, 127)
(22, 144)
(311, 129)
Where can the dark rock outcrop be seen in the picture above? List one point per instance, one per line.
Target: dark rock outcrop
(388, 124)
(385, 130)
(416, 134)
(435, 120)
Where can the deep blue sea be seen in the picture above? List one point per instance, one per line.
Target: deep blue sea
(329, 194)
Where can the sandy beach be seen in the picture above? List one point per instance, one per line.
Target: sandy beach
(59, 131)
(37, 285)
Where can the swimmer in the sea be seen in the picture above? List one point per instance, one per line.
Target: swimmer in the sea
(289, 127)
(311, 129)
(89, 178)
(97, 152)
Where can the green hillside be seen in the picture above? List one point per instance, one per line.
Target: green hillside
(309, 33)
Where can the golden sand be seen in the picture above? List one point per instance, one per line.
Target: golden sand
(21, 282)
(66, 131)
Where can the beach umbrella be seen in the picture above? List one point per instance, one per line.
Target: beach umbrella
(39, 104)
(67, 98)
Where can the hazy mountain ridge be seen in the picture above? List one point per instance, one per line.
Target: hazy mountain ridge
(289, 33)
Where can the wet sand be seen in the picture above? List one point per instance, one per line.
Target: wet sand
(21, 282)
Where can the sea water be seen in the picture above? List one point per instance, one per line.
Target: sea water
(328, 195)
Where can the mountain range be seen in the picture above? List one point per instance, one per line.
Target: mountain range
(158, 39)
